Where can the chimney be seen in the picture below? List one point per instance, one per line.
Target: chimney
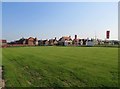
(75, 36)
(55, 38)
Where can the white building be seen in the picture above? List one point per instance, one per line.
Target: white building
(90, 43)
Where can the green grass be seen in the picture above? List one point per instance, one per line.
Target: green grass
(60, 66)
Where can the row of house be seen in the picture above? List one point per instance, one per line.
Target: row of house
(29, 41)
(63, 41)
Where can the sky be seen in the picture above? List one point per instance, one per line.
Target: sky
(46, 20)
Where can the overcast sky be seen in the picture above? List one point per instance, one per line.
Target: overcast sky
(46, 20)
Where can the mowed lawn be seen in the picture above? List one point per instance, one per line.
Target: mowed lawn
(60, 66)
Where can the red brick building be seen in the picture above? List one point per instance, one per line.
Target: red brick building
(3, 43)
(53, 42)
(30, 41)
(25, 42)
(65, 41)
(76, 41)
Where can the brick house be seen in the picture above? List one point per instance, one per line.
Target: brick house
(84, 41)
(20, 41)
(65, 41)
(43, 42)
(30, 42)
(3, 43)
(53, 42)
(40, 42)
(76, 41)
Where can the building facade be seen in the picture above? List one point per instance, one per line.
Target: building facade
(3, 43)
(65, 41)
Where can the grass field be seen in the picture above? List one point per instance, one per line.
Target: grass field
(60, 66)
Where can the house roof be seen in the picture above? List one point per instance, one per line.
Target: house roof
(76, 39)
(65, 38)
(22, 39)
(3, 41)
(45, 40)
(30, 38)
(35, 39)
(52, 40)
